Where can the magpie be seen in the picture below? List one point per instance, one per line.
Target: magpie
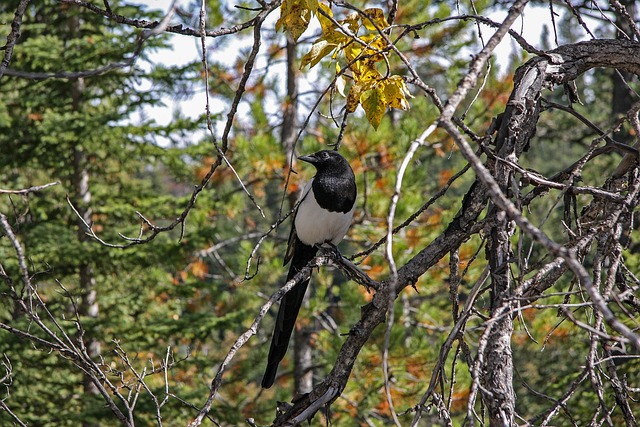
(323, 217)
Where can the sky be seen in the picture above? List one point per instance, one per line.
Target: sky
(185, 49)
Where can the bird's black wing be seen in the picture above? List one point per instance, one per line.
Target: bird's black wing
(293, 237)
(291, 245)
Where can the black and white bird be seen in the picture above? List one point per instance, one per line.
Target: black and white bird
(323, 216)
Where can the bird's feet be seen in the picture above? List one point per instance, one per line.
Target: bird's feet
(332, 249)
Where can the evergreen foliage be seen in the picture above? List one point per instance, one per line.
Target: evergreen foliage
(170, 309)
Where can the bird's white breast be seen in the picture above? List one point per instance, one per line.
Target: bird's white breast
(316, 225)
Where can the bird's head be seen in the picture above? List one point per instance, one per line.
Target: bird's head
(326, 161)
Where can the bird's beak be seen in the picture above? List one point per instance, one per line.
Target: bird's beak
(309, 159)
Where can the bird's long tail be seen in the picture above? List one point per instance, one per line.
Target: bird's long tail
(289, 308)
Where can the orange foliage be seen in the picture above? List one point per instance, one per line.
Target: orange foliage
(194, 303)
(466, 253)
(251, 224)
(415, 367)
(459, 400)
(199, 269)
(519, 338)
(96, 222)
(220, 308)
(162, 297)
(445, 148)
(529, 313)
(433, 217)
(444, 176)
(180, 277)
(294, 181)
(357, 166)
(202, 170)
(381, 184)
(559, 335)
(368, 296)
(412, 237)
(375, 271)
(383, 406)
(185, 376)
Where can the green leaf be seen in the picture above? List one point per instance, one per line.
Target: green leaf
(374, 104)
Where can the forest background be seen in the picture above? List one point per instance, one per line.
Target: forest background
(493, 264)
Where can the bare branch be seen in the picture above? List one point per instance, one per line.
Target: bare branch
(177, 29)
(104, 69)
(30, 189)
(4, 407)
(301, 275)
(13, 36)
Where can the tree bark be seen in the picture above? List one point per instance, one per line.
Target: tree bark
(514, 135)
(621, 94)
(88, 306)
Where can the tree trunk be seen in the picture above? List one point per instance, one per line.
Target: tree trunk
(622, 95)
(88, 307)
(495, 369)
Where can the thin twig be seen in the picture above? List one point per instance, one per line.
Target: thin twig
(30, 189)
(176, 29)
(142, 37)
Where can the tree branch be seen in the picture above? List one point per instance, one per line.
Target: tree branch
(33, 189)
(13, 36)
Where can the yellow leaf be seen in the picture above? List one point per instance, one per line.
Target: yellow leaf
(312, 5)
(352, 51)
(374, 15)
(376, 44)
(353, 98)
(325, 23)
(319, 50)
(295, 16)
(352, 21)
(395, 92)
(365, 71)
(363, 59)
(374, 104)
